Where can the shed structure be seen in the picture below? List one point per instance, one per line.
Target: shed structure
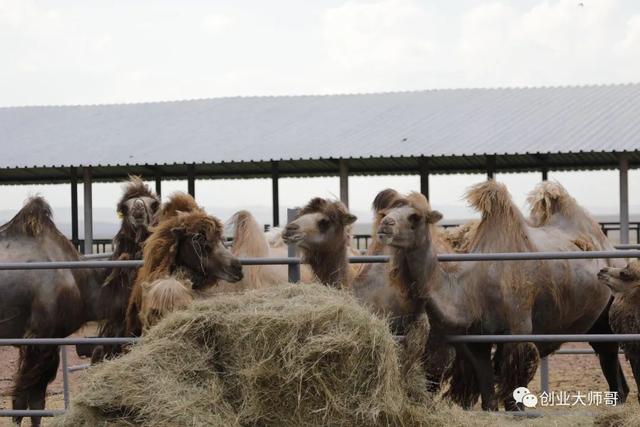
(422, 132)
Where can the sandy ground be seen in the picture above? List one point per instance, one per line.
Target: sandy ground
(55, 400)
(567, 373)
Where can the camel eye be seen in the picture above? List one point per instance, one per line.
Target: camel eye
(154, 205)
(624, 275)
(323, 224)
(414, 218)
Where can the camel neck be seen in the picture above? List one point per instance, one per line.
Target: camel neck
(447, 301)
(411, 268)
(90, 285)
(330, 265)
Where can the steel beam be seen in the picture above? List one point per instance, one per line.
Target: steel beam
(275, 194)
(74, 206)
(88, 211)
(344, 182)
(624, 199)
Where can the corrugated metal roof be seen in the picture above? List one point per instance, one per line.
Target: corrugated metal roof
(454, 128)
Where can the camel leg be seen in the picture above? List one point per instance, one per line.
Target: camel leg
(608, 356)
(516, 364)
(635, 366)
(479, 355)
(38, 367)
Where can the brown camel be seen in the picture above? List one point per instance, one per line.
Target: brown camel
(183, 257)
(322, 231)
(624, 314)
(137, 208)
(43, 303)
(507, 297)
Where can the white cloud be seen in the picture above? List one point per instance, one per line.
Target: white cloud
(358, 33)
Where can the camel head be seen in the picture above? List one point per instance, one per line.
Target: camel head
(200, 249)
(190, 242)
(406, 220)
(138, 205)
(621, 279)
(321, 224)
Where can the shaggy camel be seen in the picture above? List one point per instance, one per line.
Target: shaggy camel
(507, 297)
(249, 241)
(183, 258)
(137, 208)
(624, 314)
(43, 303)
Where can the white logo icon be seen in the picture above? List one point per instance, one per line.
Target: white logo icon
(524, 396)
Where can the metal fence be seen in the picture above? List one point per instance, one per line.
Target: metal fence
(294, 264)
(363, 240)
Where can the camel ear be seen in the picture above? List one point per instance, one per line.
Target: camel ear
(349, 219)
(433, 217)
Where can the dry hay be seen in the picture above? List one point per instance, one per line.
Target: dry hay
(627, 415)
(282, 356)
(289, 355)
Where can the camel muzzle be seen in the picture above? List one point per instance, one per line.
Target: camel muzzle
(292, 234)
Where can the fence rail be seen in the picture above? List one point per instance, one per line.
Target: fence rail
(294, 262)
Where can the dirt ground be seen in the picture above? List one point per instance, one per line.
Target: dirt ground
(55, 400)
(570, 373)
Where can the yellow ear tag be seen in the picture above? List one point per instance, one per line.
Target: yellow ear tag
(120, 215)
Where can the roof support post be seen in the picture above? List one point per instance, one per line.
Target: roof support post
(624, 199)
(88, 211)
(545, 174)
(74, 206)
(424, 177)
(491, 166)
(344, 182)
(191, 180)
(159, 185)
(275, 194)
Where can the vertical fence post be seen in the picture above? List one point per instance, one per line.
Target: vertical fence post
(294, 269)
(544, 374)
(65, 376)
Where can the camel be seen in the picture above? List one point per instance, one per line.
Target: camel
(43, 303)
(322, 231)
(137, 209)
(624, 314)
(249, 241)
(183, 258)
(506, 297)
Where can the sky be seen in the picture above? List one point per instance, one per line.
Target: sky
(93, 52)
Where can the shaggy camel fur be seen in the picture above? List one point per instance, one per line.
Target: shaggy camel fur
(624, 314)
(517, 297)
(183, 258)
(137, 209)
(42, 303)
(249, 241)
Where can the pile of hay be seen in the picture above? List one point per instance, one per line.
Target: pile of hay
(288, 355)
(626, 415)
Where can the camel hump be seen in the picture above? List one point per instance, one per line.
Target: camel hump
(178, 202)
(547, 199)
(385, 199)
(248, 237)
(502, 227)
(490, 198)
(34, 217)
